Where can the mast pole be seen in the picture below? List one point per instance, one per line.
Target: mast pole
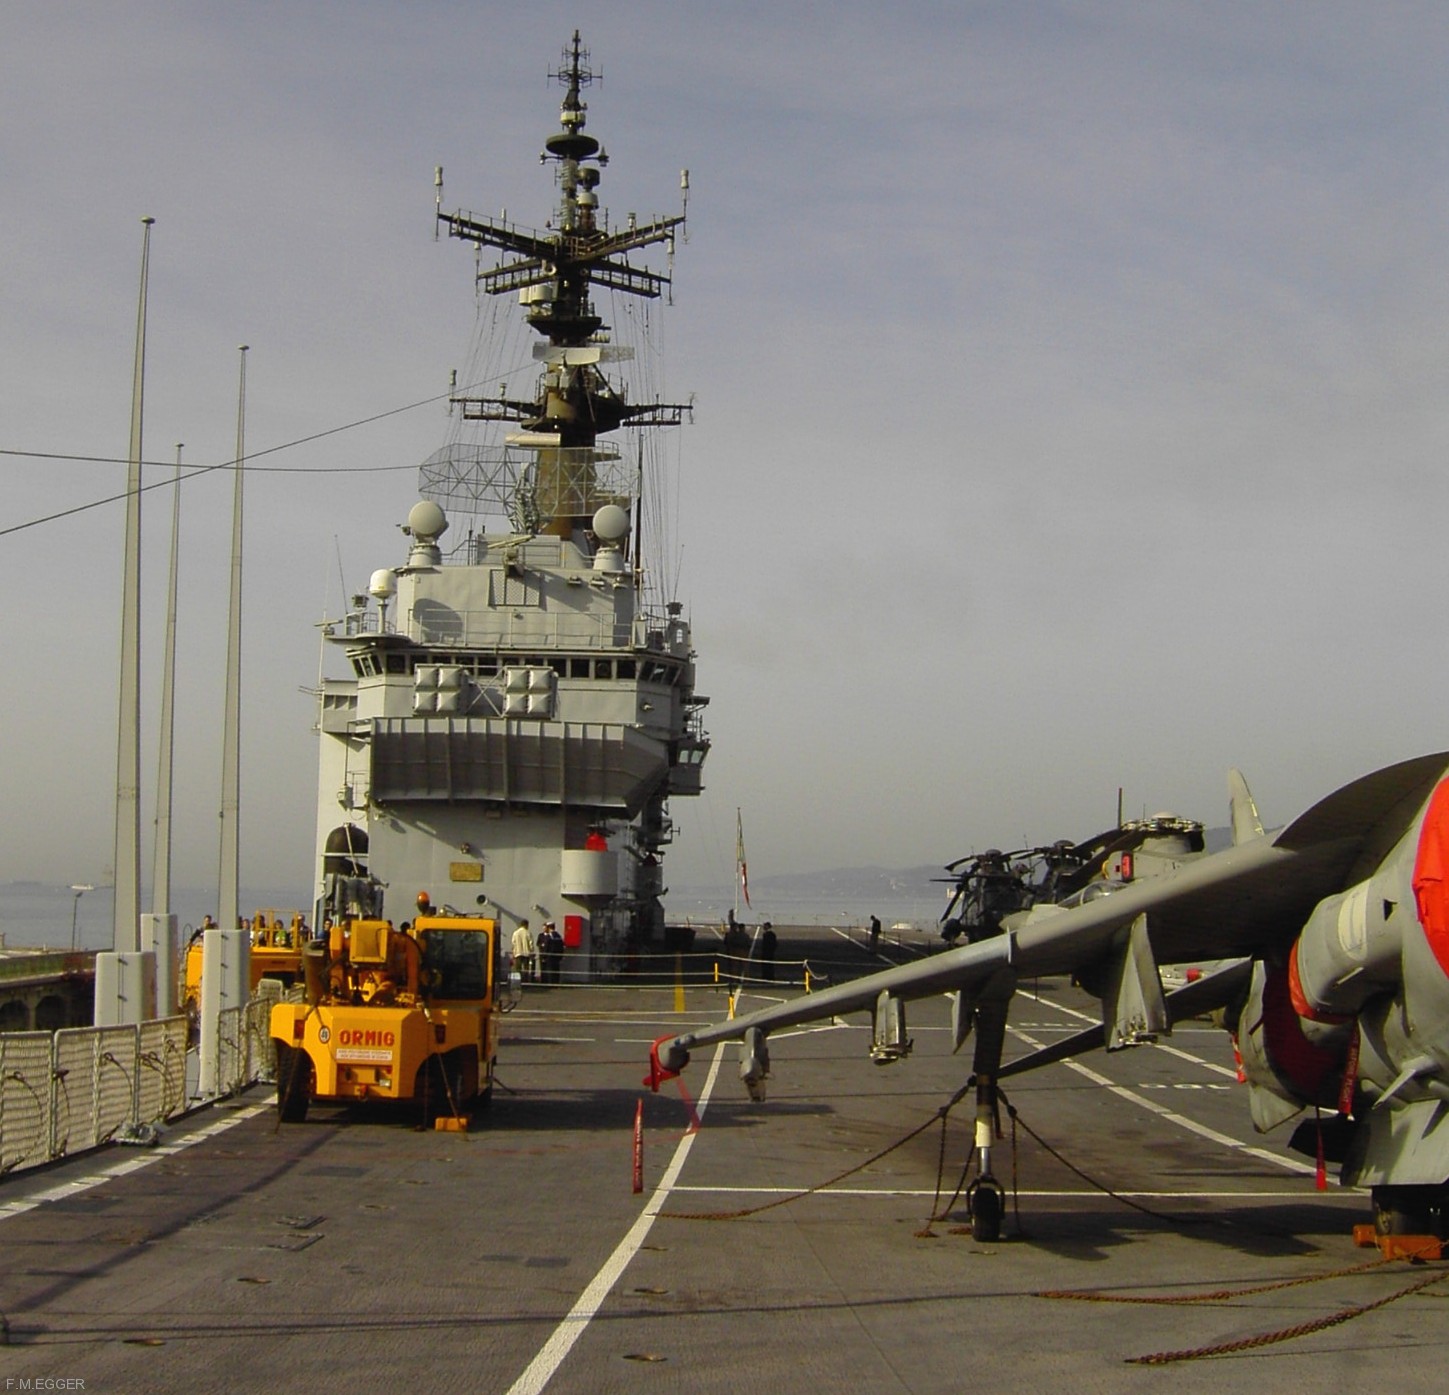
(161, 867)
(127, 913)
(228, 909)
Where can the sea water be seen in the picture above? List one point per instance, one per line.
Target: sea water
(34, 915)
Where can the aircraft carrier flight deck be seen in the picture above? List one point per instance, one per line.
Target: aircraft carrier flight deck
(357, 1252)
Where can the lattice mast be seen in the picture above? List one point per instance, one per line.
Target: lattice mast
(553, 273)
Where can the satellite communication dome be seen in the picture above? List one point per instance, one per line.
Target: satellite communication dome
(611, 524)
(426, 521)
(383, 584)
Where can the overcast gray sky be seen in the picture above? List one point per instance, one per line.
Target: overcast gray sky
(1070, 381)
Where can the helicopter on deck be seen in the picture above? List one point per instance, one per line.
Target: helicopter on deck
(989, 886)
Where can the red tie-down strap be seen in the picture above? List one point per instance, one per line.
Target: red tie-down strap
(658, 1071)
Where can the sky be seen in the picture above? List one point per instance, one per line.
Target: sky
(1071, 411)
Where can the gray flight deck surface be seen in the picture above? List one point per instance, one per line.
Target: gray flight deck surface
(353, 1253)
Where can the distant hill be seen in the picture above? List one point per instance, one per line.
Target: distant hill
(855, 882)
(844, 883)
(868, 884)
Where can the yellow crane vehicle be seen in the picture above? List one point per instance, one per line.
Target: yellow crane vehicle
(277, 944)
(394, 1015)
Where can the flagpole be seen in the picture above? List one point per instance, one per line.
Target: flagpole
(126, 926)
(742, 867)
(161, 873)
(228, 880)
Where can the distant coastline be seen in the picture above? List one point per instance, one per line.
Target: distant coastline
(846, 896)
(40, 915)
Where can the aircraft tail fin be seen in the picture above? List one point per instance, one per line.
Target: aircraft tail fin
(1244, 813)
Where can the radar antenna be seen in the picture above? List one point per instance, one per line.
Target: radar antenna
(553, 272)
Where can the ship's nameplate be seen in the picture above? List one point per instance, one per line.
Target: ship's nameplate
(465, 871)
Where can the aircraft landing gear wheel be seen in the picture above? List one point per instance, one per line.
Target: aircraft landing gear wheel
(1403, 1210)
(986, 1203)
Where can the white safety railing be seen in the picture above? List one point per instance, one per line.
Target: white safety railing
(27, 1106)
(67, 1091)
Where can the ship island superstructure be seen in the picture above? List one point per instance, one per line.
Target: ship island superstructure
(522, 707)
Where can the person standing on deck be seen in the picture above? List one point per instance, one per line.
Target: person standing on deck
(550, 952)
(522, 946)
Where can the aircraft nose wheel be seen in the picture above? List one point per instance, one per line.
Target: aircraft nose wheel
(985, 1201)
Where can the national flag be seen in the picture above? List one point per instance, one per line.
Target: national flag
(740, 858)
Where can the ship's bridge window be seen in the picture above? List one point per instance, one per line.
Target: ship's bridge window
(626, 668)
(603, 668)
(397, 663)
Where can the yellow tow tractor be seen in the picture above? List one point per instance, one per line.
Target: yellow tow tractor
(394, 1015)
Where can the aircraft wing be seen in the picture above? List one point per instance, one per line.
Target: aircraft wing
(1249, 899)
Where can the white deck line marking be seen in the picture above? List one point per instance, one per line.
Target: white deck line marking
(1180, 1120)
(128, 1165)
(884, 958)
(549, 1041)
(774, 1036)
(1171, 1050)
(815, 1031)
(1197, 1060)
(551, 1355)
(1290, 1193)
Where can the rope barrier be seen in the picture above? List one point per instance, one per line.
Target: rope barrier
(1284, 1334)
(715, 978)
(1224, 1294)
(744, 1212)
(1221, 1295)
(1086, 1176)
(939, 1213)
